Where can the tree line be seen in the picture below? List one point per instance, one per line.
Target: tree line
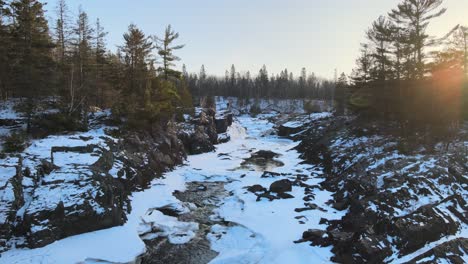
(404, 75)
(261, 85)
(71, 62)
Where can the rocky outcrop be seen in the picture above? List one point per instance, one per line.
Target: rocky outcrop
(395, 202)
(453, 251)
(201, 134)
(11, 196)
(76, 183)
(222, 121)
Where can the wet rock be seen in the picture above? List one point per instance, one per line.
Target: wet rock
(281, 186)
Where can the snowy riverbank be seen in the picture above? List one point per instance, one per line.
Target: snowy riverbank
(263, 231)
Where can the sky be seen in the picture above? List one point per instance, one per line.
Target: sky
(319, 35)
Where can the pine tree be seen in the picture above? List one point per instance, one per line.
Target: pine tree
(415, 16)
(100, 60)
(380, 35)
(33, 57)
(136, 54)
(341, 94)
(5, 46)
(166, 51)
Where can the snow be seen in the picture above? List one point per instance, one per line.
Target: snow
(262, 232)
(167, 226)
(7, 111)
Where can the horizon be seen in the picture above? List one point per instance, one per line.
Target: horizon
(257, 33)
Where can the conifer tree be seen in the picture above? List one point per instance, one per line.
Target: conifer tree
(33, 62)
(166, 50)
(5, 45)
(136, 54)
(415, 15)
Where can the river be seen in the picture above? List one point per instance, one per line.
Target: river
(242, 229)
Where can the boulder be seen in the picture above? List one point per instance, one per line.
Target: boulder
(281, 186)
(256, 188)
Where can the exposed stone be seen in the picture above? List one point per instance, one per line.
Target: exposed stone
(281, 186)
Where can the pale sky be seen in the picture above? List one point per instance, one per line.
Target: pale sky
(320, 35)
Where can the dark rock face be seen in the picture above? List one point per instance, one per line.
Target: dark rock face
(285, 130)
(453, 251)
(12, 198)
(396, 203)
(200, 142)
(63, 206)
(201, 136)
(71, 195)
(223, 121)
(281, 186)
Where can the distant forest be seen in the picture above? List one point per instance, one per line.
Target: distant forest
(262, 85)
(402, 75)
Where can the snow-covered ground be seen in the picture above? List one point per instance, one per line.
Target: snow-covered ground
(263, 231)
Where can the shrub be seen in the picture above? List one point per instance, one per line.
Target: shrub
(16, 142)
(58, 122)
(255, 110)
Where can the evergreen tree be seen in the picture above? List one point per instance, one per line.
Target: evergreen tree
(33, 52)
(136, 54)
(415, 16)
(166, 50)
(380, 35)
(5, 46)
(100, 60)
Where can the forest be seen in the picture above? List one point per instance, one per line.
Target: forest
(402, 73)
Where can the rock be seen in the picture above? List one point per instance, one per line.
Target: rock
(221, 124)
(285, 196)
(316, 236)
(46, 167)
(265, 154)
(289, 129)
(223, 138)
(200, 142)
(266, 195)
(281, 186)
(269, 174)
(453, 251)
(256, 188)
(372, 249)
(11, 195)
